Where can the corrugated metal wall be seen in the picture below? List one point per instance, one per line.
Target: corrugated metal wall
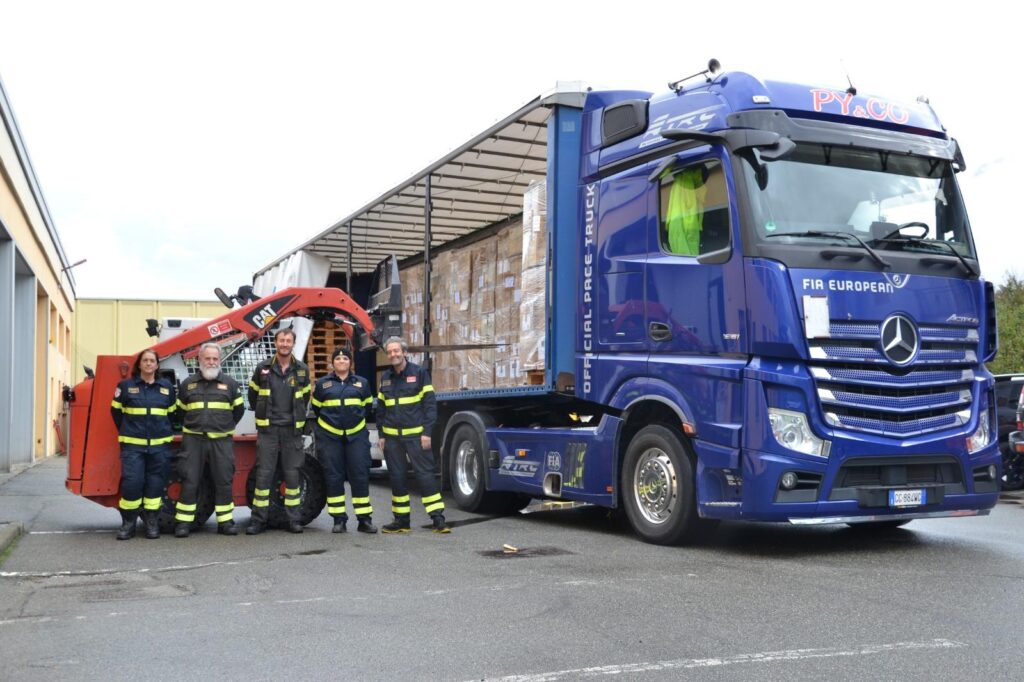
(118, 326)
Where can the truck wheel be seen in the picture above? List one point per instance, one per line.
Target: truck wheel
(204, 501)
(312, 493)
(658, 487)
(468, 473)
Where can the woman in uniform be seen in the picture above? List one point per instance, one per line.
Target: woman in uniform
(340, 402)
(142, 409)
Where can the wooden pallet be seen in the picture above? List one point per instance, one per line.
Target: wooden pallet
(323, 339)
(535, 377)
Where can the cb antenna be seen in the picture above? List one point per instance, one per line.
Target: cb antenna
(709, 73)
(850, 90)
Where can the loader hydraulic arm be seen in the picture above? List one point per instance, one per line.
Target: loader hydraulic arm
(254, 319)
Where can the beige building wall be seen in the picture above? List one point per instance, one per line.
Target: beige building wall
(105, 326)
(37, 302)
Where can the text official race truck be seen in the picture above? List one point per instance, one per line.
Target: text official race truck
(760, 300)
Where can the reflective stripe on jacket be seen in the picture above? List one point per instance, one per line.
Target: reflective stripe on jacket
(142, 412)
(210, 408)
(341, 405)
(260, 387)
(406, 405)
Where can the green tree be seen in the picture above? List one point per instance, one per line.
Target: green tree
(1010, 315)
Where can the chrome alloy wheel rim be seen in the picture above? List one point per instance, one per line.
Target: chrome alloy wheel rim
(655, 486)
(467, 472)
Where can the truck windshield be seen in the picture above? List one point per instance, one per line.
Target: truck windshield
(890, 202)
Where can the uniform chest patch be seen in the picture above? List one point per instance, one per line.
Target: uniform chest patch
(222, 387)
(165, 391)
(385, 383)
(191, 387)
(358, 384)
(300, 372)
(291, 381)
(328, 384)
(133, 389)
(410, 380)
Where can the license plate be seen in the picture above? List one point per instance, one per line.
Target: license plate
(906, 498)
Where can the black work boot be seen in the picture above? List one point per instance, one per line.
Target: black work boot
(439, 525)
(366, 525)
(152, 519)
(255, 528)
(399, 525)
(128, 518)
(339, 524)
(294, 527)
(227, 528)
(182, 529)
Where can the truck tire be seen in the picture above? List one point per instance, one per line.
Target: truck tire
(657, 483)
(204, 501)
(468, 475)
(312, 493)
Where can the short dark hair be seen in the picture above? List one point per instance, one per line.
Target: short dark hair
(284, 330)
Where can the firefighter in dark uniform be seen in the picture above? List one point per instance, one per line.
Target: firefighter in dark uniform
(142, 409)
(340, 400)
(279, 392)
(211, 404)
(406, 412)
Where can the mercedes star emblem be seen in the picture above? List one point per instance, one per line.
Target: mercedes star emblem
(899, 340)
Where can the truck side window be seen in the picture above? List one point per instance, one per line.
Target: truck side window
(695, 210)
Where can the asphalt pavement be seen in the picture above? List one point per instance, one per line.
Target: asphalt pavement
(580, 599)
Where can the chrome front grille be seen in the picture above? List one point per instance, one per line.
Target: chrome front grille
(858, 389)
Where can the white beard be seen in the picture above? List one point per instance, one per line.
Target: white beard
(210, 373)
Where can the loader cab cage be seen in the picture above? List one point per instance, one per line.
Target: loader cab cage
(238, 357)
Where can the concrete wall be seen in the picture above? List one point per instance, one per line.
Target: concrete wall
(118, 327)
(36, 306)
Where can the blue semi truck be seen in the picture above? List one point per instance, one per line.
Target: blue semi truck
(762, 302)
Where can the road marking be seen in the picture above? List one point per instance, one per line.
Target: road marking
(67, 532)
(109, 571)
(763, 657)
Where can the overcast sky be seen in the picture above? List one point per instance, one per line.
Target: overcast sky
(183, 146)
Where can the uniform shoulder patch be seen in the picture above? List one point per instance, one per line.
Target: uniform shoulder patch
(411, 380)
(117, 392)
(265, 370)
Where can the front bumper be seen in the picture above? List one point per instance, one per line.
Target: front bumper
(855, 489)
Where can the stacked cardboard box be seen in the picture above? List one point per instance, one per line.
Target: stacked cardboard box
(506, 305)
(412, 308)
(491, 293)
(534, 279)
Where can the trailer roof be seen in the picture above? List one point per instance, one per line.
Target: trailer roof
(478, 184)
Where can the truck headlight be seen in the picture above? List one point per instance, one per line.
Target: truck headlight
(792, 431)
(981, 436)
